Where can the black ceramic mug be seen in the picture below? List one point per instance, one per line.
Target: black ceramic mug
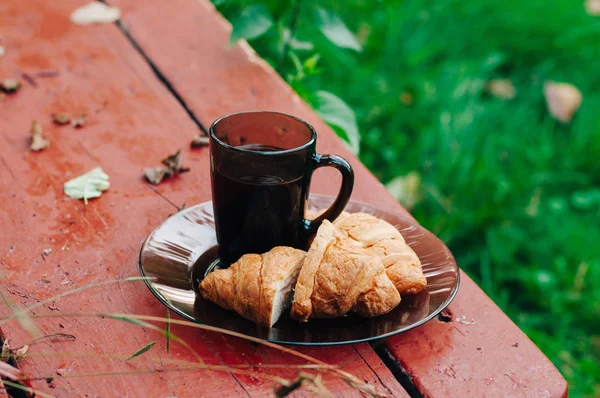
(261, 166)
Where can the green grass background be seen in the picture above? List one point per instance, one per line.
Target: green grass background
(514, 193)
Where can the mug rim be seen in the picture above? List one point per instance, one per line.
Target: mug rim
(216, 139)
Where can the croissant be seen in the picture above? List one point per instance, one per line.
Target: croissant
(258, 286)
(338, 277)
(382, 239)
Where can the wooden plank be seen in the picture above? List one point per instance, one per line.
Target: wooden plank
(214, 80)
(133, 122)
(480, 352)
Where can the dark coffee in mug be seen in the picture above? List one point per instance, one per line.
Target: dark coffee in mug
(261, 166)
(262, 209)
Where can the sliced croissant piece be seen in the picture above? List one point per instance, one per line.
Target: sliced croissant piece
(338, 277)
(257, 287)
(382, 239)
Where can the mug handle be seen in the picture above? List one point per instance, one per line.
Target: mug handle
(343, 196)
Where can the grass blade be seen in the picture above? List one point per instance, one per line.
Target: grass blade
(168, 330)
(135, 321)
(350, 379)
(141, 350)
(31, 391)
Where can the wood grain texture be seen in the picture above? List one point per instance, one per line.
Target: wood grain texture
(480, 352)
(214, 80)
(133, 122)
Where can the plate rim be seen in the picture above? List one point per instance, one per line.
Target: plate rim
(188, 317)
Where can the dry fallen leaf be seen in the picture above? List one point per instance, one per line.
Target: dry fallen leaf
(406, 98)
(199, 141)
(10, 85)
(175, 162)
(20, 353)
(313, 383)
(563, 100)
(78, 122)
(155, 174)
(172, 165)
(38, 141)
(95, 12)
(61, 118)
(6, 353)
(501, 88)
(593, 7)
(88, 185)
(406, 189)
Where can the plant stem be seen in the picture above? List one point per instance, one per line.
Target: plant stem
(293, 23)
(26, 389)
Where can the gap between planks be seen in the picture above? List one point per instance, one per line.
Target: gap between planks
(160, 76)
(403, 377)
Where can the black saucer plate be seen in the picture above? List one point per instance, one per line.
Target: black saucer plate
(183, 249)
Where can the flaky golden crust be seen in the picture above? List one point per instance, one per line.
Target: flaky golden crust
(382, 239)
(218, 287)
(249, 285)
(379, 298)
(338, 277)
(301, 305)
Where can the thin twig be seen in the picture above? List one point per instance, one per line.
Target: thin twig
(164, 197)
(63, 335)
(29, 79)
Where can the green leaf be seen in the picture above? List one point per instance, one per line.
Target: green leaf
(88, 185)
(301, 45)
(586, 200)
(253, 22)
(141, 350)
(406, 189)
(311, 63)
(336, 30)
(337, 113)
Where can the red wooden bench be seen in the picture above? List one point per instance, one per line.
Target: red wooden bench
(147, 87)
